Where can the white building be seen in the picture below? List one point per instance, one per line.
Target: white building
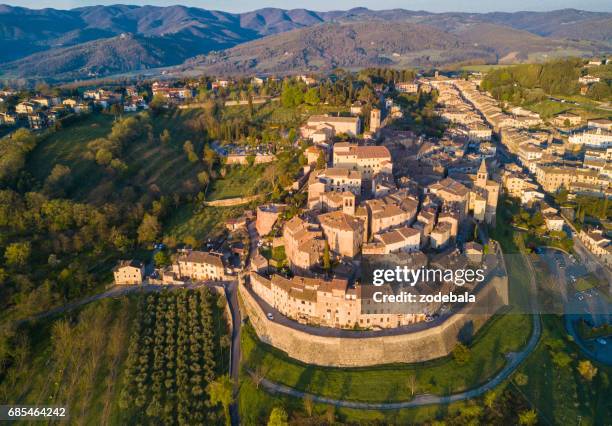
(592, 138)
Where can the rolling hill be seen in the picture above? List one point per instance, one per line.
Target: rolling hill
(349, 45)
(100, 57)
(360, 44)
(39, 41)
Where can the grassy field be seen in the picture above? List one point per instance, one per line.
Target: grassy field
(587, 282)
(274, 114)
(559, 393)
(239, 181)
(505, 333)
(152, 166)
(199, 223)
(68, 147)
(256, 404)
(483, 68)
(587, 108)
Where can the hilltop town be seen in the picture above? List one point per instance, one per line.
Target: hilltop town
(248, 214)
(380, 190)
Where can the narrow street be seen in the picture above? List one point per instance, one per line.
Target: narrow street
(592, 263)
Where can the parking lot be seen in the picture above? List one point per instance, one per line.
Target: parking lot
(587, 304)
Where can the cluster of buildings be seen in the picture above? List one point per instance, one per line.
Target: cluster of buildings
(36, 113)
(39, 112)
(331, 303)
(190, 265)
(321, 129)
(355, 209)
(580, 165)
(172, 94)
(547, 161)
(491, 111)
(454, 109)
(410, 197)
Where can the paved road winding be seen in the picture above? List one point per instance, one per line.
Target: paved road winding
(231, 293)
(514, 360)
(115, 291)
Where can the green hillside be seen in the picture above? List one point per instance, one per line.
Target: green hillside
(151, 164)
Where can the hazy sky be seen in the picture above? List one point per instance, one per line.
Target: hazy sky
(324, 5)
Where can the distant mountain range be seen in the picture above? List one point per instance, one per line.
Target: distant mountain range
(105, 40)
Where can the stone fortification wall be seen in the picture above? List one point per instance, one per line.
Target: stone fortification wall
(346, 351)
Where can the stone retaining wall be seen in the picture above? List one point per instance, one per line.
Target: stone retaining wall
(411, 347)
(228, 202)
(243, 159)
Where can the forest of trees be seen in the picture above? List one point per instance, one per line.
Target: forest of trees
(559, 77)
(419, 113)
(517, 83)
(72, 360)
(13, 151)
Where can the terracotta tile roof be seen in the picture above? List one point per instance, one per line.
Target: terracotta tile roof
(371, 152)
(203, 257)
(340, 220)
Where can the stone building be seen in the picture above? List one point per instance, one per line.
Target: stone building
(474, 252)
(200, 265)
(402, 239)
(374, 120)
(349, 125)
(304, 243)
(453, 194)
(595, 241)
(333, 179)
(554, 222)
(332, 303)
(566, 119)
(344, 233)
(485, 189)
(129, 272)
(440, 235)
(369, 160)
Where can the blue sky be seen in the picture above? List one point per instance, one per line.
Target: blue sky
(324, 5)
